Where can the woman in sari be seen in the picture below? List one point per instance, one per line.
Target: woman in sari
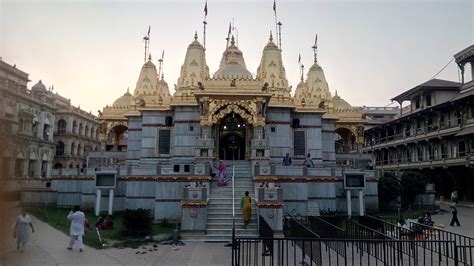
(246, 206)
(222, 174)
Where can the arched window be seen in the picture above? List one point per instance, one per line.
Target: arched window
(61, 126)
(86, 131)
(73, 147)
(79, 149)
(74, 127)
(81, 129)
(92, 133)
(60, 148)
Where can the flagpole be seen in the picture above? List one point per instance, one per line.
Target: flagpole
(205, 24)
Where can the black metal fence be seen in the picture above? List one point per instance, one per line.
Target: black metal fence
(316, 251)
(267, 232)
(464, 244)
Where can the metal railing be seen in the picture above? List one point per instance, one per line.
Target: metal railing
(267, 232)
(432, 233)
(316, 251)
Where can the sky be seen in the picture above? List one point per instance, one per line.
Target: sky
(371, 51)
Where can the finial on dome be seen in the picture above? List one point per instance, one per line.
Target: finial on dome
(162, 76)
(271, 36)
(302, 71)
(149, 57)
(128, 89)
(195, 35)
(315, 49)
(232, 40)
(336, 93)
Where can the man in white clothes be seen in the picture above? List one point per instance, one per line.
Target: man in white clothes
(76, 231)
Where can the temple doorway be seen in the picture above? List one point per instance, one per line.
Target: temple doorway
(232, 137)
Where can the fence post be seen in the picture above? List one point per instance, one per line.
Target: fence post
(456, 258)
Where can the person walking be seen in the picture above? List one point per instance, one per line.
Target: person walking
(76, 230)
(246, 206)
(454, 196)
(454, 210)
(22, 230)
(222, 174)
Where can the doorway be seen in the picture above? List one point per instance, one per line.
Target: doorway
(232, 138)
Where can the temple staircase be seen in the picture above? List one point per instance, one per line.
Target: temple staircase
(219, 209)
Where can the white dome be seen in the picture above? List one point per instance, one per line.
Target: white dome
(232, 64)
(124, 100)
(39, 87)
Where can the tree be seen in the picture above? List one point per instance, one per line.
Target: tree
(411, 184)
(388, 189)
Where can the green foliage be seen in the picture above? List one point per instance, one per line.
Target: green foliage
(388, 189)
(56, 217)
(137, 222)
(411, 184)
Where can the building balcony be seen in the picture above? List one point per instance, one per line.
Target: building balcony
(430, 162)
(424, 133)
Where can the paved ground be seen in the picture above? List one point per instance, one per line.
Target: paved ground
(48, 247)
(465, 215)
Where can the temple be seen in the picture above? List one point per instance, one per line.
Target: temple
(164, 148)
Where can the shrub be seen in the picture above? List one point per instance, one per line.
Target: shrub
(137, 222)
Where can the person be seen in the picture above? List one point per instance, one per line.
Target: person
(76, 230)
(107, 223)
(454, 210)
(427, 219)
(454, 196)
(287, 160)
(22, 232)
(222, 174)
(246, 206)
(308, 161)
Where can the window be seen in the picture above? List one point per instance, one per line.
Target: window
(191, 128)
(60, 148)
(61, 126)
(187, 168)
(164, 140)
(299, 143)
(46, 132)
(272, 129)
(462, 148)
(176, 168)
(428, 100)
(417, 103)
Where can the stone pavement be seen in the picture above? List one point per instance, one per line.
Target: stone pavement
(465, 216)
(48, 247)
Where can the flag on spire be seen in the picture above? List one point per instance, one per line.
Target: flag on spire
(205, 9)
(149, 28)
(274, 6)
(299, 59)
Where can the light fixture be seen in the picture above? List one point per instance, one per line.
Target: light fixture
(225, 127)
(238, 125)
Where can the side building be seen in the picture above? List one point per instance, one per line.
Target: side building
(26, 126)
(434, 134)
(76, 134)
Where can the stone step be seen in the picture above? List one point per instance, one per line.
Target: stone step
(228, 231)
(220, 215)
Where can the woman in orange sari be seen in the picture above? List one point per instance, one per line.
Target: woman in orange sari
(246, 206)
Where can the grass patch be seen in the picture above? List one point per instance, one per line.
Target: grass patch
(56, 217)
(392, 215)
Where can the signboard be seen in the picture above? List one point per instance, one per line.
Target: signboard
(105, 179)
(313, 208)
(354, 180)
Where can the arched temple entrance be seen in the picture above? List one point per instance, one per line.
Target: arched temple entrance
(345, 140)
(232, 133)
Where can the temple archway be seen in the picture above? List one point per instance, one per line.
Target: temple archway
(232, 137)
(117, 138)
(345, 140)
